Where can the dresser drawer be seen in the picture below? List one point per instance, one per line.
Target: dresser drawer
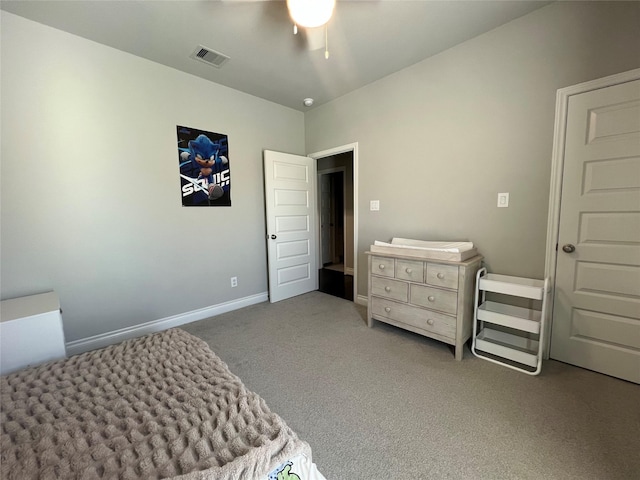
(441, 300)
(445, 276)
(417, 317)
(382, 266)
(385, 287)
(410, 270)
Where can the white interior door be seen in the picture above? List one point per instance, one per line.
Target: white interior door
(290, 197)
(596, 313)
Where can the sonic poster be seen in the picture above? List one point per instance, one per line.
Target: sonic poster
(205, 179)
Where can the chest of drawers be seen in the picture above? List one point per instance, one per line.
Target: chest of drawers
(432, 298)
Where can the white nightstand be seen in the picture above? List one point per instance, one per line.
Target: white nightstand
(30, 331)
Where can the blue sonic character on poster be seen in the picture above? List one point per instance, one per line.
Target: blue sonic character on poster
(205, 178)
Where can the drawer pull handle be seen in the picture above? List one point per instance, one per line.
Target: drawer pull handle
(441, 276)
(387, 289)
(409, 271)
(387, 309)
(431, 298)
(381, 267)
(430, 321)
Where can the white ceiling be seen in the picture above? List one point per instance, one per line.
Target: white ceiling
(367, 39)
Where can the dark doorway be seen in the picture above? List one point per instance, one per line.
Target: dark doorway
(332, 218)
(336, 239)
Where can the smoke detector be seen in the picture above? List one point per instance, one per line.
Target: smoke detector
(209, 56)
(308, 102)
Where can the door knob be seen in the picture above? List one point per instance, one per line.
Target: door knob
(568, 248)
(273, 237)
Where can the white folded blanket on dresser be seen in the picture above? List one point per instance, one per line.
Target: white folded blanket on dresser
(452, 247)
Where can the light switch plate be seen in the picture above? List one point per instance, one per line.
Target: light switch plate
(374, 205)
(503, 200)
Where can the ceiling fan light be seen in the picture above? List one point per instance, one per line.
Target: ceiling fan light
(310, 13)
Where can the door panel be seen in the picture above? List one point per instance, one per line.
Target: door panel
(601, 327)
(293, 249)
(596, 317)
(292, 224)
(290, 209)
(610, 175)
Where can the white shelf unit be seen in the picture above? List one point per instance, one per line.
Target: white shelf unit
(521, 346)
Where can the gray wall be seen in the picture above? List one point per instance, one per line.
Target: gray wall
(91, 203)
(438, 140)
(90, 194)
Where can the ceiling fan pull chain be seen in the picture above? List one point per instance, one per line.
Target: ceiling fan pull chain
(326, 41)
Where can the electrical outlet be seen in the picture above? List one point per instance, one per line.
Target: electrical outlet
(234, 281)
(374, 205)
(503, 200)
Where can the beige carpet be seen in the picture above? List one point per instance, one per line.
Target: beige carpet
(383, 403)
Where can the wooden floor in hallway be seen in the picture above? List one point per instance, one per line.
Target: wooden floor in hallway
(334, 282)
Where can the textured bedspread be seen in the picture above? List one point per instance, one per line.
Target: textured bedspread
(159, 406)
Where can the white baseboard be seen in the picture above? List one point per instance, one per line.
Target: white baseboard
(109, 338)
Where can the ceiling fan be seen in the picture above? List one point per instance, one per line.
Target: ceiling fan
(312, 14)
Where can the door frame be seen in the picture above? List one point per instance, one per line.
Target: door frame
(351, 147)
(557, 169)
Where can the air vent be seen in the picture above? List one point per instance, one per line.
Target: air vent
(209, 56)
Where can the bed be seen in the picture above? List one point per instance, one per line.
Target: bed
(159, 406)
